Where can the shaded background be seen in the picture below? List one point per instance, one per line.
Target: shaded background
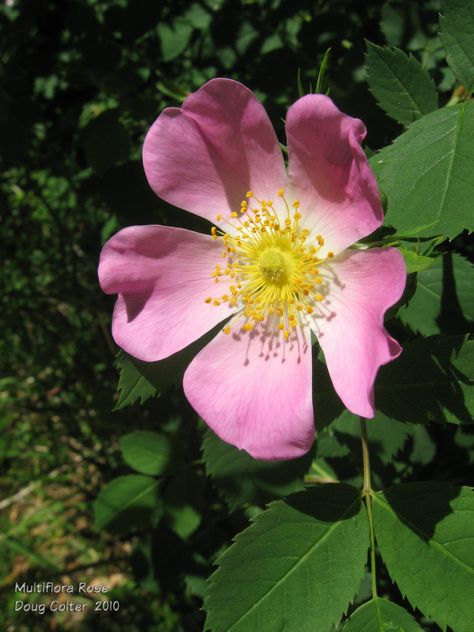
(80, 83)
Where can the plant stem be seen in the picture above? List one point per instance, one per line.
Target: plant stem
(367, 493)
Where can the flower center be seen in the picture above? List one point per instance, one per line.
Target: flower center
(274, 266)
(273, 263)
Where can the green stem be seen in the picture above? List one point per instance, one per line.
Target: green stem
(367, 493)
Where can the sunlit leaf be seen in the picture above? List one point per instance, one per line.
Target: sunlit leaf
(427, 174)
(402, 87)
(296, 567)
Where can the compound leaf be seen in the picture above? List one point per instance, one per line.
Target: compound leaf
(296, 568)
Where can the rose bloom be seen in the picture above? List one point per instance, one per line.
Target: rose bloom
(276, 266)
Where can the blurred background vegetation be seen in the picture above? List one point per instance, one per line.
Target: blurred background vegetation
(80, 83)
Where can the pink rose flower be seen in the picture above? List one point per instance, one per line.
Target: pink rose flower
(276, 266)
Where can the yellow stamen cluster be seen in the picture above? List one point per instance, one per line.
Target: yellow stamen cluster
(273, 264)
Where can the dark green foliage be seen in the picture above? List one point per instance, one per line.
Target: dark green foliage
(242, 480)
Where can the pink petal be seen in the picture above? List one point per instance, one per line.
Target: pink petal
(162, 276)
(205, 156)
(255, 397)
(329, 173)
(351, 334)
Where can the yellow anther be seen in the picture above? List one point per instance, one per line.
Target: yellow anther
(330, 254)
(274, 265)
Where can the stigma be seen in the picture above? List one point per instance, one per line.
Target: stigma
(279, 280)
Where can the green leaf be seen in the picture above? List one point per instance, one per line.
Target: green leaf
(387, 436)
(402, 87)
(432, 380)
(427, 174)
(140, 380)
(242, 479)
(457, 37)
(321, 79)
(198, 17)
(127, 503)
(444, 298)
(380, 615)
(425, 533)
(146, 452)
(133, 386)
(184, 501)
(174, 37)
(392, 23)
(296, 567)
(416, 262)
